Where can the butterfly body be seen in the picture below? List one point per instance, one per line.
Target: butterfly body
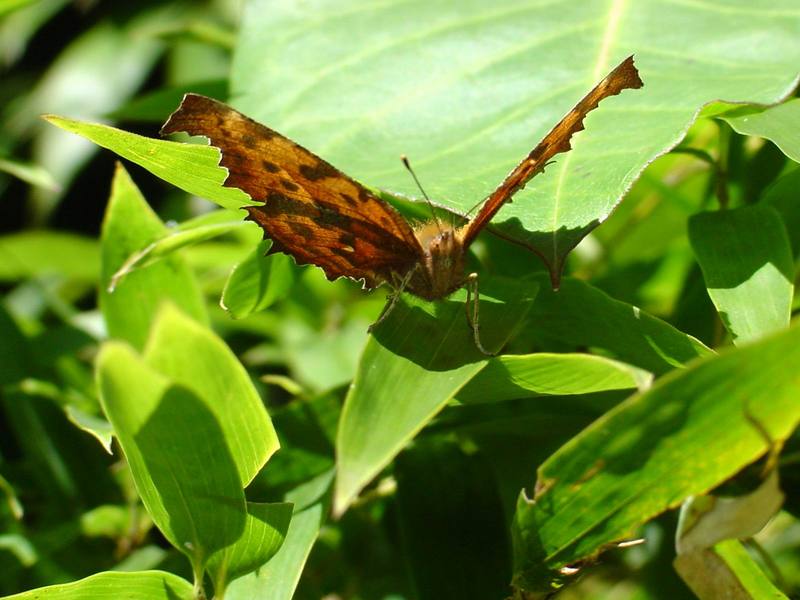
(317, 214)
(440, 270)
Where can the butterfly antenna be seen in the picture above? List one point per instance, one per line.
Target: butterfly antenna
(407, 165)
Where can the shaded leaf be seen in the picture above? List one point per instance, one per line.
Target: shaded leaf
(264, 531)
(257, 282)
(416, 362)
(748, 268)
(582, 315)
(451, 523)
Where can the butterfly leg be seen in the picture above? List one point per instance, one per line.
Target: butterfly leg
(472, 306)
(392, 301)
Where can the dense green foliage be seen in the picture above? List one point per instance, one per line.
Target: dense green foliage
(185, 417)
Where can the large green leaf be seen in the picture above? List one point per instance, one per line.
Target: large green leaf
(693, 430)
(143, 585)
(467, 89)
(748, 267)
(130, 225)
(779, 124)
(413, 365)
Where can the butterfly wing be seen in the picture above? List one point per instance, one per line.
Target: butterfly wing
(310, 210)
(625, 75)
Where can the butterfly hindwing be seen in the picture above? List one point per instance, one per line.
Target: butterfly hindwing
(310, 209)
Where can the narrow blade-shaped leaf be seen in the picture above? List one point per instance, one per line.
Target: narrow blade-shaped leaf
(693, 430)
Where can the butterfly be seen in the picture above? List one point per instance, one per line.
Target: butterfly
(317, 214)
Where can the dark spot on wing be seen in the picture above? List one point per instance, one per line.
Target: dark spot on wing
(301, 229)
(270, 166)
(349, 199)
(347, 239)
(249, 140)
(288, 185)
(331, 217)
(318, 171)
(278, 204)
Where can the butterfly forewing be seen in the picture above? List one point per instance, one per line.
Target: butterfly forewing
(309, 209)
(624, 76)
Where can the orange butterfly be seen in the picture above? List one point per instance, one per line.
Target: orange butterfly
(317, 214)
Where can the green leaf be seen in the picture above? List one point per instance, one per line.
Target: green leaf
(194, 357)
(264, 532)
(780, 124)
(417, 360)
(748, 268)
(144, 585)
(31, 253)
(257, 282)
(470, 92)
(170, 243)
(130, 225)
(693, 430)
(726, 571)
(451, 518)
(582, 315)
(191, 489)
(193, 430)
(509, 377)
(192, 167)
